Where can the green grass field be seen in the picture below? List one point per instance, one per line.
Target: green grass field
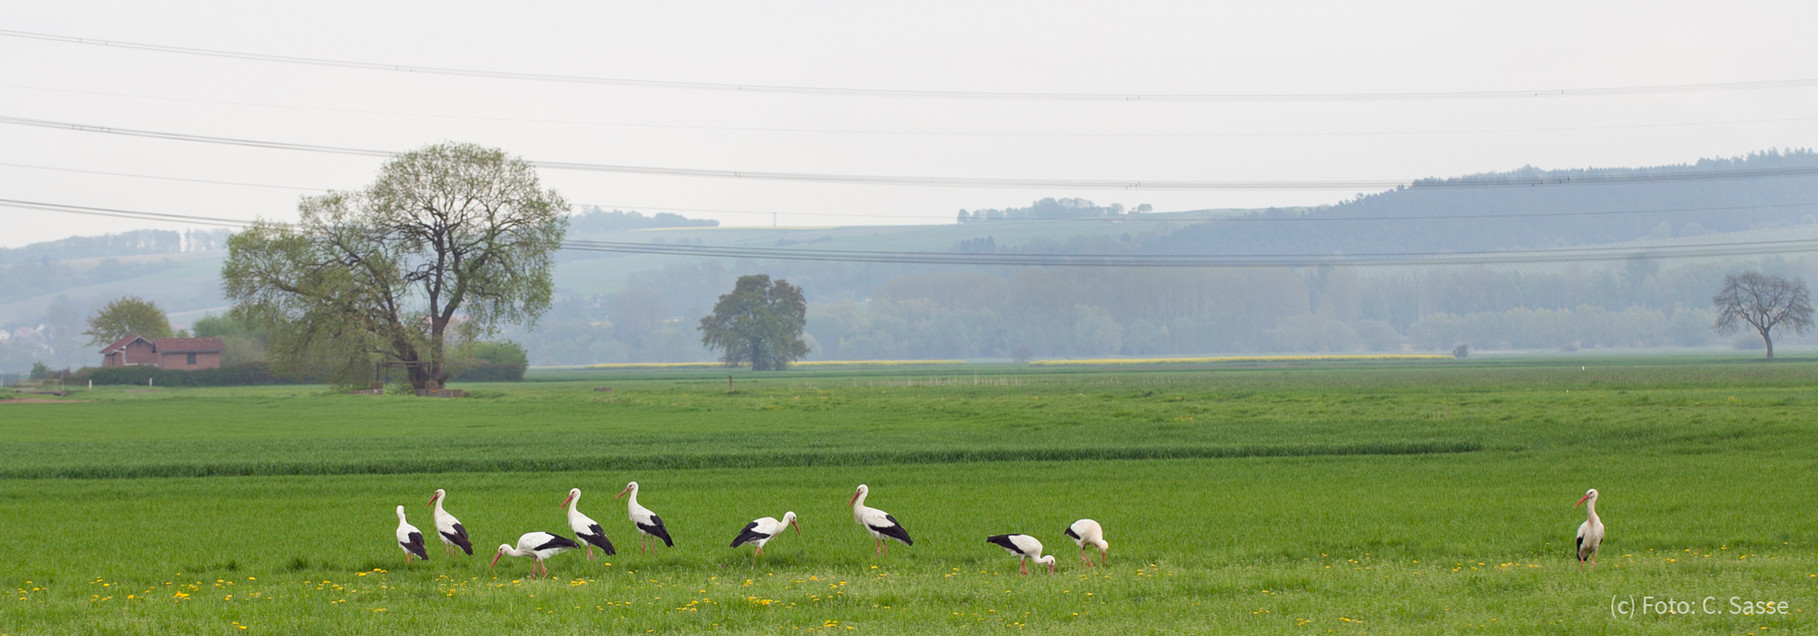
(1347, 498)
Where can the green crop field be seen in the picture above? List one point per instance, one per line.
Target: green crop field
(1392, 497)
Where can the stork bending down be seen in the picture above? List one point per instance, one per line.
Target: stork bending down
(763, 530)
(1087, 532)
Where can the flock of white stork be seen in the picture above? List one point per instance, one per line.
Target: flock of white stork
(1086, 533)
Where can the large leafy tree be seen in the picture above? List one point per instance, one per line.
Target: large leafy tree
(449, 237)
(1762, 301)
(125, 317)
(760, 322)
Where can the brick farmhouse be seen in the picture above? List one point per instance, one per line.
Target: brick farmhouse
(180, 354)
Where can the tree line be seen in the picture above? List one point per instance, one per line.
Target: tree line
(1087, 312)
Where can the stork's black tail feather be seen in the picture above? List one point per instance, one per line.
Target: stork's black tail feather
(459, 538)
(657, 530)
(748, 535)
(895, 531)
(416, 546)
(597, 537)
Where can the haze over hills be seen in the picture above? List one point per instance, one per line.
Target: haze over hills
(618, 306)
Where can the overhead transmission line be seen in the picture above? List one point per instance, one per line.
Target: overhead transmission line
(918, 133)
(109, 173)
(1545, 255)
(1151, 217)
(1549, 255)
(926, 94)
(1651, 176)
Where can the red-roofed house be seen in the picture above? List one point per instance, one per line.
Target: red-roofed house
(181, 354)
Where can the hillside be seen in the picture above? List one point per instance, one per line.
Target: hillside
(642, 307)
(1513, 210)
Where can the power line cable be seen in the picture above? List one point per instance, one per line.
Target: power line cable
(1573, 254)
(160, 178)
(1151, 217)
(1517, 256)
(123, 214)
(1663, 89)
(920, 133)
(1652, 176)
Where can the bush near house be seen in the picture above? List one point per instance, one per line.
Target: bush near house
(231, 375)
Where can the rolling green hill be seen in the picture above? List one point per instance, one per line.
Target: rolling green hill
(897, 310)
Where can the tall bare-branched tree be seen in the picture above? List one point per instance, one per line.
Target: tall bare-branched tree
(1763, 301)
(450, 237)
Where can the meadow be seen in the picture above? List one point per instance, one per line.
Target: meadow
(1357, 497)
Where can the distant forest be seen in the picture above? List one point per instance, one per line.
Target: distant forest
(1052, 208)
(860, 310)
(129, 243)
(595, 220)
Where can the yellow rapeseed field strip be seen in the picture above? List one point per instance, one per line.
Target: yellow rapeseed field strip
(805, 364)
(873, 363)
(1366, 357)
(654, 365)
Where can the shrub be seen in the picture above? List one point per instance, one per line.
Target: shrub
(483, 361)
(488, 372)
(252, 373)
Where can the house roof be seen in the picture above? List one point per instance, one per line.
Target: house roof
(188, 345)
(122, 342)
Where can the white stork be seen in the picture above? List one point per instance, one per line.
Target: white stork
(588, 531)
(879, 523)
(646, 521)
(541, 545)
(1087, 532)
(448, 527)
(763, 530)
(1590, 533)
(410, 539)
(1025, 548)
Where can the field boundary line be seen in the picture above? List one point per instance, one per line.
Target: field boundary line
(728, 460)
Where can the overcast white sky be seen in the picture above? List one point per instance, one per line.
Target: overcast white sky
(1050, 47)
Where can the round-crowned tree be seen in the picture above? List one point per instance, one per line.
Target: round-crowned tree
(452, 236)
(760, 322)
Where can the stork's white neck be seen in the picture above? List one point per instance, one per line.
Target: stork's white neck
(439, 505)
(631, 498)
(1590, 509)
(860, 502)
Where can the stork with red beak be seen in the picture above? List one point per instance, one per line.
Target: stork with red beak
(1025, 548)
(585, 528)
(763, 530)
(647, 522)
(879, 523)
(1590, 533)
(540, 545)
(448, 527)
